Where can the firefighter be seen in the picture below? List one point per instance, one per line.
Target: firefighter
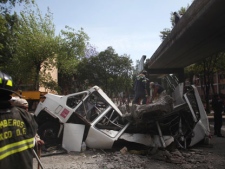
(17, 130)
(140, 88)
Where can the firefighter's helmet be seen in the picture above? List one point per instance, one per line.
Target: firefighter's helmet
(6, 83)
(144, 72)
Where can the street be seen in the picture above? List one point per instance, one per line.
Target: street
(202, 156)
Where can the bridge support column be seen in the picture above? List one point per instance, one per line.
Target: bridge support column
(181, 75)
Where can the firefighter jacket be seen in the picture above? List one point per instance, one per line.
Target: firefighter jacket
(17, 132)
(140, 86)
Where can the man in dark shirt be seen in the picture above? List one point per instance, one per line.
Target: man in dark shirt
(176, 18)
(218, 107)
(140, 88)
(17, 130)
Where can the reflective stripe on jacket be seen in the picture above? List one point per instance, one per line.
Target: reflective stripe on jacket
(16, 147)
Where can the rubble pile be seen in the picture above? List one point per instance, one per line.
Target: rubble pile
(157, 109)
(187, 159)
(124, 158)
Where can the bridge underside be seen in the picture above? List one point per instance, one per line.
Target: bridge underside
(200, 33)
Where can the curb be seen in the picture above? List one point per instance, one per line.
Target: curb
(211, 118)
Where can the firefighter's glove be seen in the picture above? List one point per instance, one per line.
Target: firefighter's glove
(40, 142)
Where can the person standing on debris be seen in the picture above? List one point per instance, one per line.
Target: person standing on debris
(17, 129)
(140, 88)
(218, 107)
(157, 91)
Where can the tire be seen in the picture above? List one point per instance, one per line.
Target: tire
(48, 132)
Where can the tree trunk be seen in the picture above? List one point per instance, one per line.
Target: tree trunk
(36, 78)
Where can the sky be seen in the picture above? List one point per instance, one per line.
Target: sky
(130, 27)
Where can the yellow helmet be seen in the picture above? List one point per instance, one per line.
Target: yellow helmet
(6, 83)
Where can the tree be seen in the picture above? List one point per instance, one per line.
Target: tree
(90, 51)
(108, 70)
(3, 41)
(35, 47)
(205, 71)
(7, 5)
(7, 22)
(164, 33)
(72, 48)
(36, 50)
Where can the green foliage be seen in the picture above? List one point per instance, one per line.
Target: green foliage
(90, 50)
(210, 65)
(3, 30)
(7, 38)
(35, 46)
(7, 21)
(205, 71)
(108, 70)
(71, 49)
(7, 5)
(164, 33)
(30, 50)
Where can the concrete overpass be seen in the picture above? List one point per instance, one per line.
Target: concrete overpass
(199, 33)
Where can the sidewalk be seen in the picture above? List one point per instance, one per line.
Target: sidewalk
(211, 117)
